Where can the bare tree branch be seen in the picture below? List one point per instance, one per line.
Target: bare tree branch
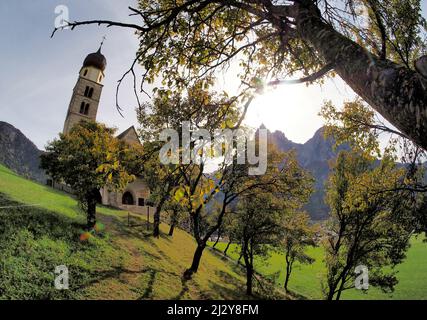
(313, 77)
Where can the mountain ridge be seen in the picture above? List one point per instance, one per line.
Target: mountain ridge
(314, 156)
(19, 153)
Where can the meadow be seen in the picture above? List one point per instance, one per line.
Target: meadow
(122, 262)
(306, 280)
(119, 262)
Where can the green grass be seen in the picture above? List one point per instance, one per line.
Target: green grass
(126, 263)
(306, 279)
(28, 192)
(120, 262)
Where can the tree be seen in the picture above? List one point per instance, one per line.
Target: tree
(195, 110)
(297, 235)
(172, 110)
(175, 212)
(359, 126)
(370, 44)
(198, 191)
(160, 179)
(369, 225)
(87, 159)
(218, 236)
(258, 222)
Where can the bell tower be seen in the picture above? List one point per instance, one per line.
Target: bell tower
(87, 91)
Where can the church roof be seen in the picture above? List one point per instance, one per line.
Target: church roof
(129, 135)
(96, 59)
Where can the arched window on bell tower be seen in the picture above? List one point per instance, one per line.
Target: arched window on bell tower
(88, 92)
(82, 107)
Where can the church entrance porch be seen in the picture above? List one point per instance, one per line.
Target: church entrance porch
(127, 199)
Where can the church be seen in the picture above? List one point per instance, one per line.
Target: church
(84, 106)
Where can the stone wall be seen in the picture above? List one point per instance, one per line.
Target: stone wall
(137, 189)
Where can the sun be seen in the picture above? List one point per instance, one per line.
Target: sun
(292, 109)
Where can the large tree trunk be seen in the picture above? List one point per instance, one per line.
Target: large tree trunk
(201, 240)
(174, 221)
(156, 225)
(330, 295)
(342, 283)
(332, 287)
(397, 93)
(217, 238)
(249, 269)
(288, 275)
(249, 277)
(240, 258)
(226, 248)
(195, 219)
(91, 209)
(91, 215)
(171, 229)
(196, 261)
(338, 297)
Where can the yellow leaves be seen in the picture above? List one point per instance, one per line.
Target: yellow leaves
(108, 167)
(218, 22)
(181, 60)
(179, 194)
(353, 124)
(210, 152)
(360, 183)
(101, 168)
(200, 152)
(203, 192)
(210, 185)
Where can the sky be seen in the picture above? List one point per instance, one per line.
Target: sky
(38, 73)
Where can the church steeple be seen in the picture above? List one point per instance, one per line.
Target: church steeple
(87, 91)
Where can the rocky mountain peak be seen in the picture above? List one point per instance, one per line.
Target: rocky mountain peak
(19, 154)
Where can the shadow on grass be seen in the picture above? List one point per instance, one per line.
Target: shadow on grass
(39, 221)
(236, 292)
(115, 273)
(138, 227)
(150, 284)
(184, 285)
(296, 295)
(265, 286)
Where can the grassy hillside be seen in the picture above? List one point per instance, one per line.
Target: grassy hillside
(124, 262)
(120, 262)
(306, 279)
